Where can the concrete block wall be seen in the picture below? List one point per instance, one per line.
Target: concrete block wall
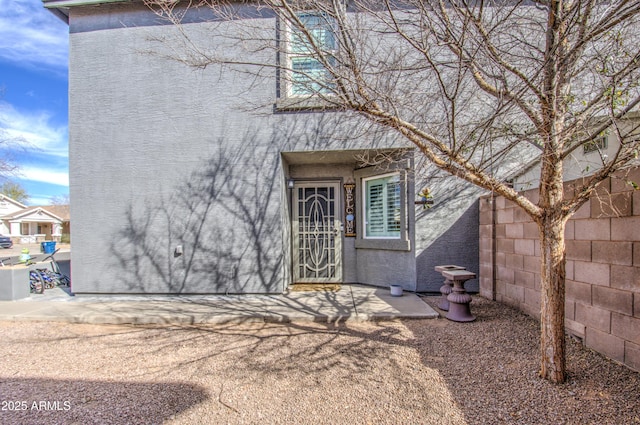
(603, 265)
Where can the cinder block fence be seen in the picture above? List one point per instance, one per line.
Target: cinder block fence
(603, 265)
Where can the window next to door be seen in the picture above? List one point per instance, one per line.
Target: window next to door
(382, 207)
(382, 203)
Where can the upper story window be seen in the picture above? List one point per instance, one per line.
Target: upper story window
(596, 145)
(311, 46)
(382, 206)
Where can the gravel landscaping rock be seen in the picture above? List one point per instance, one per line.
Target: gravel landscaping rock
(395, 372)
(491, 368)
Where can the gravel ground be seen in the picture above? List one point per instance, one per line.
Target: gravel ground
(396, 372)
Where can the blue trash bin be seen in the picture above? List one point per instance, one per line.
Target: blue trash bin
(48, 247)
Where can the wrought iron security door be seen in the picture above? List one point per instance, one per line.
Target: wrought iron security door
(317, 242)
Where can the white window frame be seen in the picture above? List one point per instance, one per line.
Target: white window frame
(595, 145)
(402, 168)
(290, 74)
(386, 212)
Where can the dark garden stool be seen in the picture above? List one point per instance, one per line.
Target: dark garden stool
(459, 300)
(447, 286)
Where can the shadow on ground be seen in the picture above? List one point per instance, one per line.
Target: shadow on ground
(255, 372)
(491, 369)
(410, 371)
(41, 400)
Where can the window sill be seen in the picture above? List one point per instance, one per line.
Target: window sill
(383, 244)
(311, 103)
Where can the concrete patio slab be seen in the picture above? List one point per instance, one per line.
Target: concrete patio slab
(351, 302)
(377, 304)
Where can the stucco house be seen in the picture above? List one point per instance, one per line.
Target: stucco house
(205, 181)
(32, 224)
(209, 181)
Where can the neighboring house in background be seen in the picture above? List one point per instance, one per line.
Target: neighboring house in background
(585, 160)
(215, 181)
(26, 224)
(62, 212)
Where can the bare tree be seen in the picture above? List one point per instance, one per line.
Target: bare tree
(472, 85)
(60, 199)
(8, 148)
(14, 191)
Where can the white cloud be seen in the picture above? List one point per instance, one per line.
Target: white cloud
(47, 145)
(44, 175)
(32, 36)
(39, 201)
(35, 128)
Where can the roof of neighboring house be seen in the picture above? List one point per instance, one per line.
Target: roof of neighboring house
(5, 198)
(59, 212)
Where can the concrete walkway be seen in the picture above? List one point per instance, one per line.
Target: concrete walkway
(351, 302)
(34, 249)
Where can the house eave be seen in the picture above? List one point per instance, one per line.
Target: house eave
(56, 4)
(13, 201)
(60, 8)
(25, 214)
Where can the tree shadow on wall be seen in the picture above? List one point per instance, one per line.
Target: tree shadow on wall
(450, 234)
(225, 217)
(216, 232)
(226, 214)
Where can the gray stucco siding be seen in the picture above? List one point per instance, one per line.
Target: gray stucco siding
(163, 155)
(158, 154)
(447, 232)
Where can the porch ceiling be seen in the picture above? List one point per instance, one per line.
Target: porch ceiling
(355, 156)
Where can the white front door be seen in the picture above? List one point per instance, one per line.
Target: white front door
(317, 239)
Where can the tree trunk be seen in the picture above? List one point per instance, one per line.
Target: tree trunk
(552, 342)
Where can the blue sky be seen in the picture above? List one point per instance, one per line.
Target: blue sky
(33, 96)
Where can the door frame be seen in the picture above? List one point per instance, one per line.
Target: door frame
(336, 230)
